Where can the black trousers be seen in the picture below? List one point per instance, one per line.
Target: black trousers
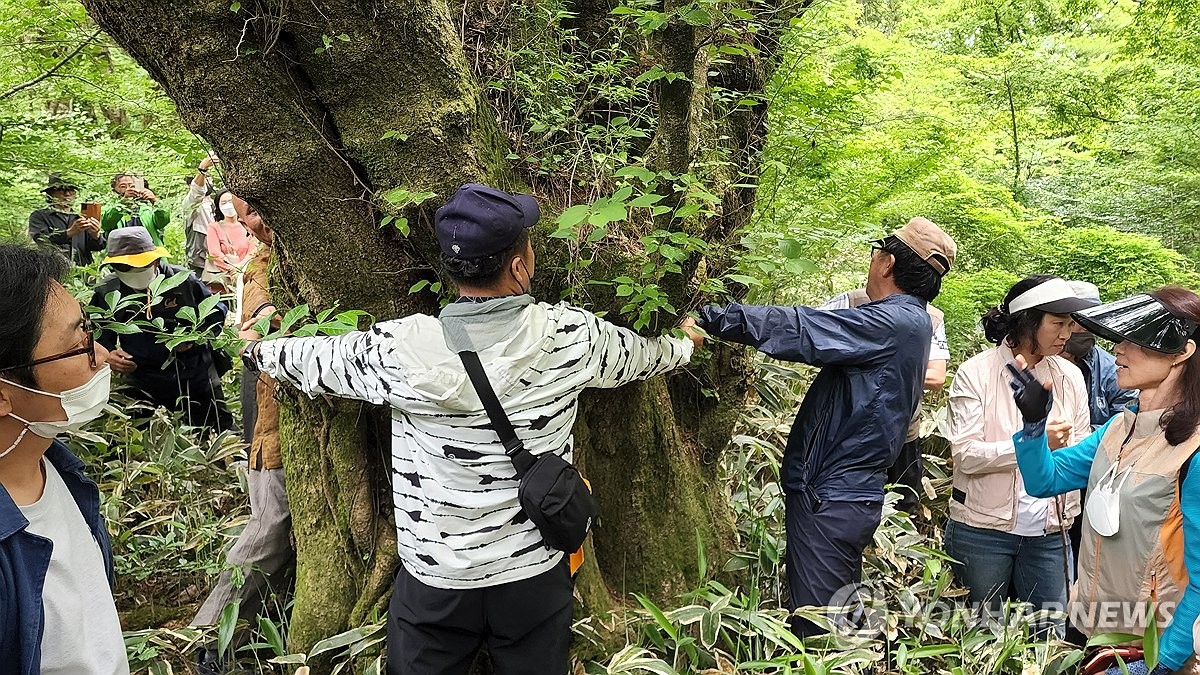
(905, 476)
(524, 625)
(200, 397)
(825, 544)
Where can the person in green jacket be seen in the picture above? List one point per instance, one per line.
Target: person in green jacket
(138, 206)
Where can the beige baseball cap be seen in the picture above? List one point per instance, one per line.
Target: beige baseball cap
(929, 242)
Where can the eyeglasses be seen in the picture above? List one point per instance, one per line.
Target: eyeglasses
(89, 349)
(877, 245)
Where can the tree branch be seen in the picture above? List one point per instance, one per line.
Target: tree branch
(53, 69)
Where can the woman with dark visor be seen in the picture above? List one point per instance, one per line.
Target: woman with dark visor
(1141, 527)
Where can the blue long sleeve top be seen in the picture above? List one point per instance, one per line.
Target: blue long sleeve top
(1049, 473)
(855, 415)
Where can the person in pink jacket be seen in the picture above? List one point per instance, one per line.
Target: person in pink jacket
(229, 245)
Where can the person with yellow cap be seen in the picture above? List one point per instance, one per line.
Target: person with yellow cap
(186, 378)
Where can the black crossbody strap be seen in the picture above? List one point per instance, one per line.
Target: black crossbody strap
(521, 458)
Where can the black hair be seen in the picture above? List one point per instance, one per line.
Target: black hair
(216, 206)
(999, 325)
(116, 177)
(26, 279)
(912, 274)
(484, 271)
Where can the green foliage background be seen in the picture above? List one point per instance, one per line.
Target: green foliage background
(1047, 136)
(97, 115)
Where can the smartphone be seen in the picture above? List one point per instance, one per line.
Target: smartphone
(91, 210)
(139, 182)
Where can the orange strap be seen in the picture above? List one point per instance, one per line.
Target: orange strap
(576, 560)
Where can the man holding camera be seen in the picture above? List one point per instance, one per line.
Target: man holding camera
(138, 208)
(76, 235)
(475, 569)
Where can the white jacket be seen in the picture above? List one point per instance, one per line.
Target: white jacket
(458, 521)
(983, 418)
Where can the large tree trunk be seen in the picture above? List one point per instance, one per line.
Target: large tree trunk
(299, 116)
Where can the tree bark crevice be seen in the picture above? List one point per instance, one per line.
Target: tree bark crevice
(299, 117)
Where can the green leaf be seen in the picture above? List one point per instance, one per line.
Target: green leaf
(1110, 639)
(800, 266)
(639, 172)
(270, 633)
(235, 6)
(710, 625)
(645, 201)
(695, 16)
(1150, 638)
(659, 617)
(227, 625)
(293, 315)
(608, 213)
(162, 284)
(743, 279)
(343, 640)
(573, 216)
(208, 306)
(122, 328)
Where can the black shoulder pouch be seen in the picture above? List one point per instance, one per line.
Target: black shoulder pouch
(552, 493)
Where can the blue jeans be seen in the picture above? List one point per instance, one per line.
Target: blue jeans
(995, 566)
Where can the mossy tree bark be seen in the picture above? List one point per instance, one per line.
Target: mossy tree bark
(297, 99)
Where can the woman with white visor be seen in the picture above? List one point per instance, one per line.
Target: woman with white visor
(1006, 542)
(1141, 542)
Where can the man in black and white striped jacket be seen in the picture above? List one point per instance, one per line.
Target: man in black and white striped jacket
(474, 569)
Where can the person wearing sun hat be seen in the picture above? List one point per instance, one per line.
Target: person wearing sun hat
(1099, 367)
(855, 417)
(1141, 529)
(190, 382)
(999, 535)
(58, 225)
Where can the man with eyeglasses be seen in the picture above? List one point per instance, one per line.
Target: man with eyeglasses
(58, 225)
(183, 378)
(855, 416)
(56, 569)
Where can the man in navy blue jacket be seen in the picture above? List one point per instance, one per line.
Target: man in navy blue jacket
(56, 606)
(853, 419)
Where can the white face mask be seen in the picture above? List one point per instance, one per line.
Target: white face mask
(1104, 502)
(228, 209)
(139, 279)
(82, 404)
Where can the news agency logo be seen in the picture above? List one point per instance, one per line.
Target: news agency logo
(859, 610)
